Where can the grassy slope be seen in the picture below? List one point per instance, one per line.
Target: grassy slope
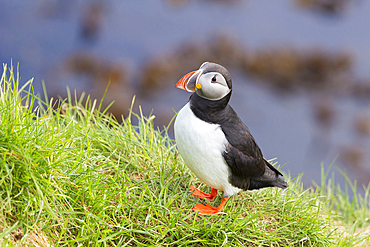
(73, 176)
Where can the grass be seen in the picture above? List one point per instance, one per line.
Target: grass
(72, 176)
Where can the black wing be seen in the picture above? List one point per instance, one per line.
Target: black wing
(249, 170)
(242, 164)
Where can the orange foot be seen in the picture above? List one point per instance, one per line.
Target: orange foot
(202, 195)
(206, 209)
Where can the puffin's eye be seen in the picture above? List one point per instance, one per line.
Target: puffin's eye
(214, 79)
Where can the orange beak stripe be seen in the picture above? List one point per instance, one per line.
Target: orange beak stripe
(183, 81)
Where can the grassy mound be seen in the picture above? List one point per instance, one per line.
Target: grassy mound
(72, 176)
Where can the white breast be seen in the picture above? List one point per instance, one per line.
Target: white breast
(201, 145)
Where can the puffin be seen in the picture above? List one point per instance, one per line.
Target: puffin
(214, 142)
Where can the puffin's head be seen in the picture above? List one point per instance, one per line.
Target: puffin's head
(211, 81)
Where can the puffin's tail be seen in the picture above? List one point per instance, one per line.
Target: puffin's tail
(280, 183)
(258, 184)
(269, 179)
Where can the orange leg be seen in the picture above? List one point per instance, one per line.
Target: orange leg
(202, 195)
(206, 209)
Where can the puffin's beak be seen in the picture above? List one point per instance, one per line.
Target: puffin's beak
(188, 81)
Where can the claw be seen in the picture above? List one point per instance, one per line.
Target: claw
(205, 209)
(191, 189)
(202, 195)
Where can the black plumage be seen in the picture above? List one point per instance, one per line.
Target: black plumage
(249, 170)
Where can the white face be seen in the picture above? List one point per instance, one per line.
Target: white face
(213, 86)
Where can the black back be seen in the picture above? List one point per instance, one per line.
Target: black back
(249, 170)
